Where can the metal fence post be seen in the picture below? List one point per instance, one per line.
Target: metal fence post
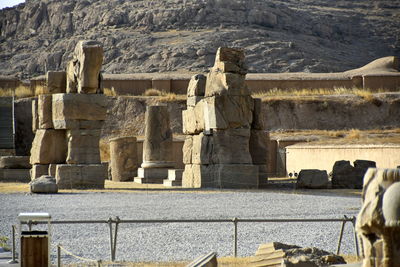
(235, 239)
(115, 236)
(58, 255)
(111, 239)
(13, 260)
(353, 222)
(340, 236)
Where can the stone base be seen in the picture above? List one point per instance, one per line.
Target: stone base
(15, 175)
(7, 152)
(170, 183)
(262, 176)
(141, 180)
(153, 173)
(14, 162)
(221, 176)
(39, 170)
(71, 176)
(174, 178)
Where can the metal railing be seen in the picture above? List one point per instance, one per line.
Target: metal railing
(235, 221)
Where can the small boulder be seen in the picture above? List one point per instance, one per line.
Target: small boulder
(45, 184)
(312, 179)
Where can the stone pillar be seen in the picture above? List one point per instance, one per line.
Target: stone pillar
(219, 123)
(123, 158)
(157, 146)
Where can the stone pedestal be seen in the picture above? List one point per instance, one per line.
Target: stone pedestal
(123, 158)
(73, 176)
(174, 178)
(157, 146)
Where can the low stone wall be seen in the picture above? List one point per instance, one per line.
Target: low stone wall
(138, 83)
(323, 157)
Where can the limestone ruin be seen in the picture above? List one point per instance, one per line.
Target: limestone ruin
(123, 158)
(225, 145)
(378, 222)
(157, 147)
(67, 125)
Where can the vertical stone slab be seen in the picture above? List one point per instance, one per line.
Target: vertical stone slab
(49, 146)
(71, 80)
(83, 146)
(89, 55)
(56, 82)
(44, 112)
(35, 118)
(157, 146)
(123, 158)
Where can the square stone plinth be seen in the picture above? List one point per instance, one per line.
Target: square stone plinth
(151, 175)
(70, 176)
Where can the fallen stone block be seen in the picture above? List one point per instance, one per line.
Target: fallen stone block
(278, 254)
(15, 162)
(71, 110)
(45, 184)
(56, 82)
(15, 175)
(346, 176)
(83, 147)
(44, 112)
(49, 146)
(38, 170)
(74, 176)
(312, 179)
(123, 158)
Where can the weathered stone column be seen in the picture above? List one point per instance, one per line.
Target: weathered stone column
(157, 146)
(123, 158)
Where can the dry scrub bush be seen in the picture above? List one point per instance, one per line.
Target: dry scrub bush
(152, 92)
(354, 134)
(110, 92)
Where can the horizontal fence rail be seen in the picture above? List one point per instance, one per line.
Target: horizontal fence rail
(116, 221)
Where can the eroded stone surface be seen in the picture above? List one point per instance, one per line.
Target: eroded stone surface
(70, 176)
(49, 146)
(44, 112)
(83, 146)
(123, 158)
(45, 184)
(378, 222)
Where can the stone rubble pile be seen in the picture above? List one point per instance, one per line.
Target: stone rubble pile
(67, 125)
(226, 144)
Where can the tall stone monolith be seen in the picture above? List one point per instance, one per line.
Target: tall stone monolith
(223, 133)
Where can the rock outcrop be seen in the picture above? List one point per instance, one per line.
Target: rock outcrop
(151, 36)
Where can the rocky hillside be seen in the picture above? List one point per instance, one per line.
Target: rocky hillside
(183, 35)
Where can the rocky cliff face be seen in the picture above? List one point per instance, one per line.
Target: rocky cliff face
(176, 35)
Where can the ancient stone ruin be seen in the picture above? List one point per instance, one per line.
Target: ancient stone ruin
(123, 158)
(157, 147)
(378, 222)
(68, 125)
(225, 145)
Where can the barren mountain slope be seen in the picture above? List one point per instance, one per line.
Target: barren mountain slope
(183, 35)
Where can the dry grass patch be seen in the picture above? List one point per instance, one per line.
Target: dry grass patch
(152, 92)
(6, 188)
(19, 92)
(109, 92)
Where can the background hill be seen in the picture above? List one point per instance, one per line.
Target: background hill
(183, 35)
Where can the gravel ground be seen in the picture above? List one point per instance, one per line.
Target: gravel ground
(176, 241)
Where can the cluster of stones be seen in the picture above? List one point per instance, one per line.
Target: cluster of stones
(226, 145)
(67, 123)
(343, 175)
(378, 222)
